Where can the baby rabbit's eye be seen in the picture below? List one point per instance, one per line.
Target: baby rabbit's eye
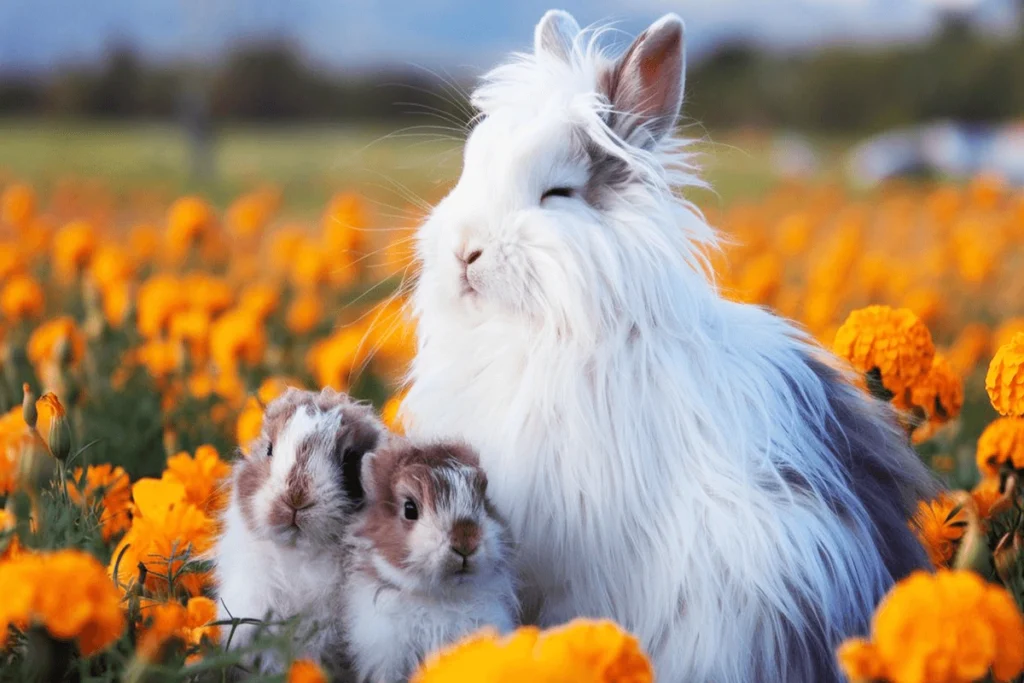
(558, 192)
(411, 511)
(270, 449)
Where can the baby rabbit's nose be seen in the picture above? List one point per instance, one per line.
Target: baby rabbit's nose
(465, 537)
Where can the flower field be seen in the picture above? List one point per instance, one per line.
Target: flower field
(143, 334)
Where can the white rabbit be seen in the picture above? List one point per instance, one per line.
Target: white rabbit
(281, 553)
(688, 466)
(430, 560)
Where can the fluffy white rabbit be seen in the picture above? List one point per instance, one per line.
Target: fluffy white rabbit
(688, 466)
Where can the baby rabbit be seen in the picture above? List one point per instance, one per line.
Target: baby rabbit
(281, 552)
(429, 559)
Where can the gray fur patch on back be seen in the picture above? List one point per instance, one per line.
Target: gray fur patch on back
(887, 479)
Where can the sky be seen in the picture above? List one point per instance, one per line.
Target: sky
(447, 34)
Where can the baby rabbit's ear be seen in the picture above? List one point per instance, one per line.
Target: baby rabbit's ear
(356, 437)
(645, 86)
(555, 34)
(366, 469)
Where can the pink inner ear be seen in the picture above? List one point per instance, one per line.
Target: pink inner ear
(647, 80)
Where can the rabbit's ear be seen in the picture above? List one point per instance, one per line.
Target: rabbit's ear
(367, 468)
(555, 34)
(645, 86)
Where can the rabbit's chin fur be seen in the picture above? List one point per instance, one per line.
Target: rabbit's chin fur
(685, 465)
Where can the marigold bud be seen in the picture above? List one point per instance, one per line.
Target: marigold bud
(60, 433)
(1007, 556)
(28, 406)
(973, 552)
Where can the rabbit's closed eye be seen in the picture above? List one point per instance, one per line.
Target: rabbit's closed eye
(558, 192)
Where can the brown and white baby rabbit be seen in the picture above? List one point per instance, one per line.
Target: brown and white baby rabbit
(430, 559)
(282, 551)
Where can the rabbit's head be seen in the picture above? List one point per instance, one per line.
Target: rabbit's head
(564, 218)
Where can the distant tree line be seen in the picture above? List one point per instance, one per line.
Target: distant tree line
(959, 74)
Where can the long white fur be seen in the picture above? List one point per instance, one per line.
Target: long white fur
(633, 424)
(264, 577)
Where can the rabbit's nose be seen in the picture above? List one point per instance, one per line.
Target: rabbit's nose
(468, 257)
(465, 538)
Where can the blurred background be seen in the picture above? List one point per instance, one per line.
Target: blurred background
(208, 200)
(214, 95)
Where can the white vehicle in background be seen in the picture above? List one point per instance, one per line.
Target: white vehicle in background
(945, 149)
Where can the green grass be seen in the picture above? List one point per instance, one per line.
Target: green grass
(309, 163)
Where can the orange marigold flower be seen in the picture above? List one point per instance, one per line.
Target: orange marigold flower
(260, 299)
(344, 223)
(894, 341)
(204, 477)
(389, 414)
(939, 526)
(1005, 379)
(160, 623)
(47, 338)
(160, 357)
(272, 387)
(284, 245)
(304, 313)
(18, 205)
(12, 259)
(391, 336)
(249, 425)
(986, 190)
(305, 671)
(946, 627)
(237, 338)
(22, 297)
(111, 266)
(940, 393)
(113, 487)
(1002, 443)
(247, 215)
(333, 359)
(165, 526)
(117, 300)
(192, 326)
(794, 234)
(250, 420)
(975, 258)
(67, 592)
(188, 220)
(310, 264)
(159, 297)
(14, 436)
(586, 651)
(188, 624)
(759, 281)
(859, 659)
(207, 293)
(73, 247)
